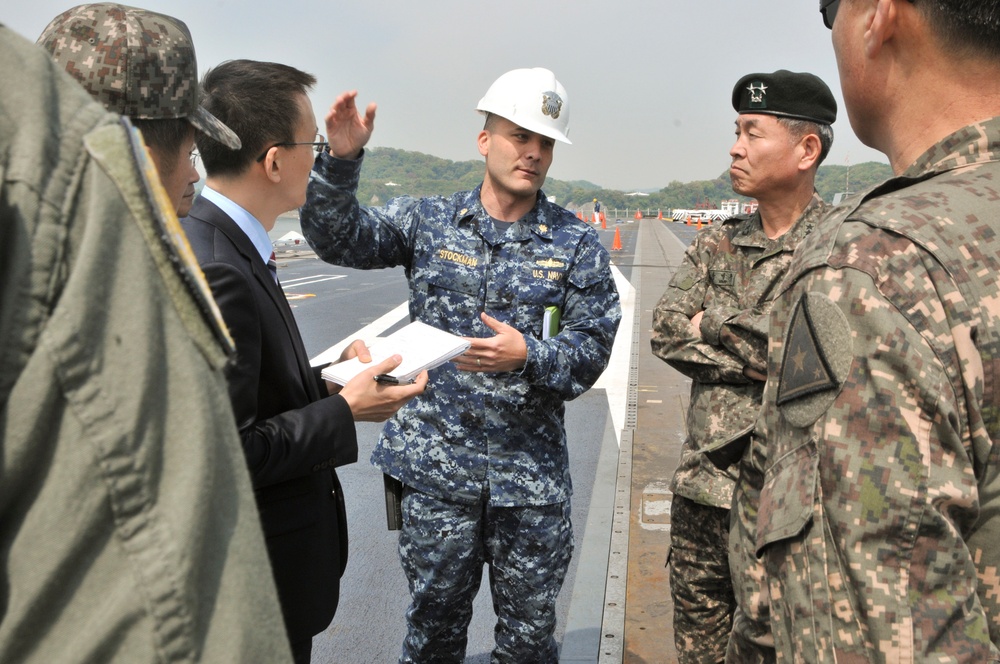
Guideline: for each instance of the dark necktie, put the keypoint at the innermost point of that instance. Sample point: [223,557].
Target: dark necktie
[273,267]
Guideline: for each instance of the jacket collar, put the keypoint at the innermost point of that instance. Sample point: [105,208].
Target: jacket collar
[538,220]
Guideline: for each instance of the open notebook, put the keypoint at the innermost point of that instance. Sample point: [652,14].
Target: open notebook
[420,345]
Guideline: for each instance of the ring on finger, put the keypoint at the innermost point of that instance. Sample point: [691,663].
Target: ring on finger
[479,362]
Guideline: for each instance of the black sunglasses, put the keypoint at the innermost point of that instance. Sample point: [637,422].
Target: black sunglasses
[829,11]
[318,145]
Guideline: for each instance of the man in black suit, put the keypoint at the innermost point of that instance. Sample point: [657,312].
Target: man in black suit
[294,432]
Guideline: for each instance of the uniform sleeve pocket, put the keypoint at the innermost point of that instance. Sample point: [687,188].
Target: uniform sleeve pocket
[788,496]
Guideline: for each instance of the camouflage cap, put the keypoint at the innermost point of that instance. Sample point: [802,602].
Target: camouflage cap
[136,62]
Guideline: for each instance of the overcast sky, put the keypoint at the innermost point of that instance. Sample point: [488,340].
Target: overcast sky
[649,81]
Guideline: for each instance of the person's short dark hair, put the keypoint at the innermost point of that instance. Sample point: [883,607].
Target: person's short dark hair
[800,128]
[966,27]
[258,101]
[491,122]
[165,136]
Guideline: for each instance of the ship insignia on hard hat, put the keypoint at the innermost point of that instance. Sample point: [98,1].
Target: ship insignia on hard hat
[757,92]
[551,104]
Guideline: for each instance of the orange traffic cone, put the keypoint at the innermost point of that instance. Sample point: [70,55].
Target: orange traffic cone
[604,222]
[579,214]
[659,214]
[616,244]
[699,223]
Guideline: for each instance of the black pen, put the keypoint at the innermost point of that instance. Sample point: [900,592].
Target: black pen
[386,379]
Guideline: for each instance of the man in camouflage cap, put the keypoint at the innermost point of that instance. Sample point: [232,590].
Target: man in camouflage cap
[879,520]
[711,325]
[482,454]
[142,65]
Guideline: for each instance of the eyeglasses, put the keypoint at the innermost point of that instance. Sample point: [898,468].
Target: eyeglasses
[829,12]
[194,157]
[319,145]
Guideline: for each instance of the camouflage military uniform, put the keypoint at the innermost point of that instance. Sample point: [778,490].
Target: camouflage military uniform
[128,530]
[483,440]
[730,272]
[878,516]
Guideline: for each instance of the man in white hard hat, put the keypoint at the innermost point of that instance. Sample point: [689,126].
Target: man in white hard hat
[482,454]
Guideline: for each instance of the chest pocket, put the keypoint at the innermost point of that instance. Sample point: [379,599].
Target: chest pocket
[533,290]
[725,270]
[725,281]
[452,299]
[723,278]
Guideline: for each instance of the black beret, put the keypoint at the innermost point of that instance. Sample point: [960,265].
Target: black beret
[786,93]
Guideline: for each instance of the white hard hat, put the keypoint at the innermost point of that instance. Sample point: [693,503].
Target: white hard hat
[530,98]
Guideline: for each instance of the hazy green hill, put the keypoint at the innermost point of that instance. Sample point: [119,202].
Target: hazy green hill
[388,172]
[833,179]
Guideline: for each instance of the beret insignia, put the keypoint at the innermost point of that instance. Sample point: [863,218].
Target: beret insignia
[757,92]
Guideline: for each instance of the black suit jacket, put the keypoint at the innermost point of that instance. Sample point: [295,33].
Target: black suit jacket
[293,436]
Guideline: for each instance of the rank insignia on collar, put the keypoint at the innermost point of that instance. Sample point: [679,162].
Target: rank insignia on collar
[543,228]
[550,263]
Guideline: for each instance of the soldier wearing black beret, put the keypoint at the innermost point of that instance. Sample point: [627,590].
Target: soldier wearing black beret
[711,325]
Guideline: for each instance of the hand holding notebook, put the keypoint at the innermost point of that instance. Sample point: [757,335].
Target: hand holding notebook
[420,345]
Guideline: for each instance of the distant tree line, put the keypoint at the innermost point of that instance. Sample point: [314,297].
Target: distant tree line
[388,173]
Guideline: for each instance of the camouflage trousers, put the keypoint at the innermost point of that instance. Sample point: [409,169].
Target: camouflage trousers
[751,641]
[443,547]
[699,581]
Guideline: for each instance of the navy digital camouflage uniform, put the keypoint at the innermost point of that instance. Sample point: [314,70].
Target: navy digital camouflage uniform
[477,444]
[731,272]
[878,518]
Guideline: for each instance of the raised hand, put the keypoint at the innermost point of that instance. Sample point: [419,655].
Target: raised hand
[347,131]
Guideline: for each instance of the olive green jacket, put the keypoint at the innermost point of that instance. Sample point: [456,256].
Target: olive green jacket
[128,530]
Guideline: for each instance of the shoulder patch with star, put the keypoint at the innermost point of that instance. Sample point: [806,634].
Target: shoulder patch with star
[817,357]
